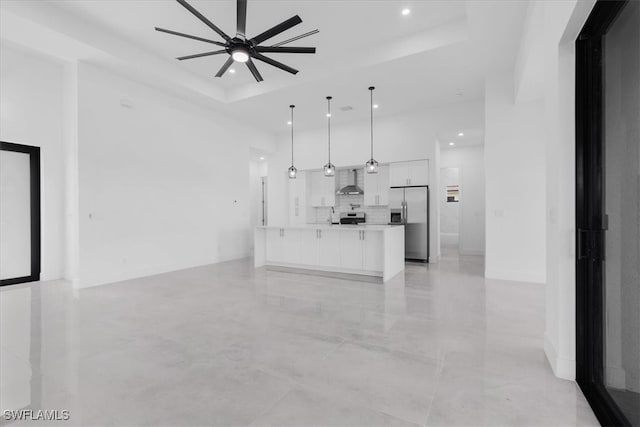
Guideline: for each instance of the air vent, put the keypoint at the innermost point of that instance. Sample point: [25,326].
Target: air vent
[346,108]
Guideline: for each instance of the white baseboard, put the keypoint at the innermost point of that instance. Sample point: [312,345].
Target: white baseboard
[471,251]
[562,367]
[517,276]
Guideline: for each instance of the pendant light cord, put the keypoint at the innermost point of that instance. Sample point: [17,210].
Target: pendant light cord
[329,124]
[292,107]
[371,92]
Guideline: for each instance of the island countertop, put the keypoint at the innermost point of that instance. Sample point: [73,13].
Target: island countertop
[325,226]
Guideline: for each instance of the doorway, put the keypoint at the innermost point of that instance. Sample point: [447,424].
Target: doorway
[608,211]
[450,212]
[19,213]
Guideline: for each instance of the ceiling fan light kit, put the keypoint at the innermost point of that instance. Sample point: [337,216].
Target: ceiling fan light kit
[243,50]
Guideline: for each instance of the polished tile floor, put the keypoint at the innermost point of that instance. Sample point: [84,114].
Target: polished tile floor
[229,345]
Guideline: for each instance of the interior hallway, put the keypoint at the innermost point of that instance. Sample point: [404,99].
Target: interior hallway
[229,345]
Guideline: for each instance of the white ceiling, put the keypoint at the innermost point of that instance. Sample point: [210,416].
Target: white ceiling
[469,137]
[340,24]
[437,55]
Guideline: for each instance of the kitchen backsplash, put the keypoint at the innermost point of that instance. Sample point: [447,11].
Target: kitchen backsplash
[374,214]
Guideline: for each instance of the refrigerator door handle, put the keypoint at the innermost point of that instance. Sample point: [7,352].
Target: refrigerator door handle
[405,212]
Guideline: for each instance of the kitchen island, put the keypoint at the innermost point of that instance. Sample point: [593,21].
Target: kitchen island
[372,250]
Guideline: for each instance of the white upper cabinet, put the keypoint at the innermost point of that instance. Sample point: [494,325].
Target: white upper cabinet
[323,190]
[419,172]
[415,172]
[398,174]
[376,187]
[298,199]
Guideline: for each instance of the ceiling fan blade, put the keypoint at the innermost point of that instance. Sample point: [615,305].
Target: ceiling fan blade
[203,19]
[241,18]
[274,31]
[278,49]
[200,55]
[292,39]
[224,67]
[275,63]
[175,33]
[254,70]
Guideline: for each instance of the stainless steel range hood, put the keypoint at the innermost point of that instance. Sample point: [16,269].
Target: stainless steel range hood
[352,189]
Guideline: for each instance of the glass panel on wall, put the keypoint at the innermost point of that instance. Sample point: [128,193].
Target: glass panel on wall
[621,268]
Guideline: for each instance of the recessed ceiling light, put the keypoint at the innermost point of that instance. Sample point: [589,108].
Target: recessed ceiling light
[328,114]
[406,11]
[289,122]
[460,133]
[452,143]
[375,105]
[261,158]
[231,70]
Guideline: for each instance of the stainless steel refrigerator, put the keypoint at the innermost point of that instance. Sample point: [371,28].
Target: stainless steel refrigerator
[410,207]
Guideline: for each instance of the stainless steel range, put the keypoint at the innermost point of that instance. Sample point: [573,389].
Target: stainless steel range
[352,218]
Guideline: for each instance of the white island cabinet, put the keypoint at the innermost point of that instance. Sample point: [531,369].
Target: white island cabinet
[372,250]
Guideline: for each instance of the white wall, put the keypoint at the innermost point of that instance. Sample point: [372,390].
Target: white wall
[31,99]
[515,184]
[412,135]
[163,185]
[470,163]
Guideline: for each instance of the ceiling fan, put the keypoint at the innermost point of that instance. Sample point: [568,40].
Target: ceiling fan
[241,49]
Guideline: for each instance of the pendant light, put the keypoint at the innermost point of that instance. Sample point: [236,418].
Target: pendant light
[329,169]
[293,172]
[372,164]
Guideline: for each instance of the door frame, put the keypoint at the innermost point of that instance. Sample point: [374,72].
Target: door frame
[34,203]
[589,213]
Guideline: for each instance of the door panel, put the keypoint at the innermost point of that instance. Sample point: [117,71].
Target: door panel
[309,247]
[416,234]
[419,172]
[351,249]
[383,185]
[19,213]
[621,205]
[291,246]
[396,198]
[373,251]
[398,174]
[329,240]
[274,245]
[15,214]
[608,211]
[416,199]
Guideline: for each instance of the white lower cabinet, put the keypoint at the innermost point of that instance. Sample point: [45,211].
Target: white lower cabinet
[274,245]
[371,250]
[351,249]
[309,247]
[373,253]
[291,246]
[348,249]
[328,241]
